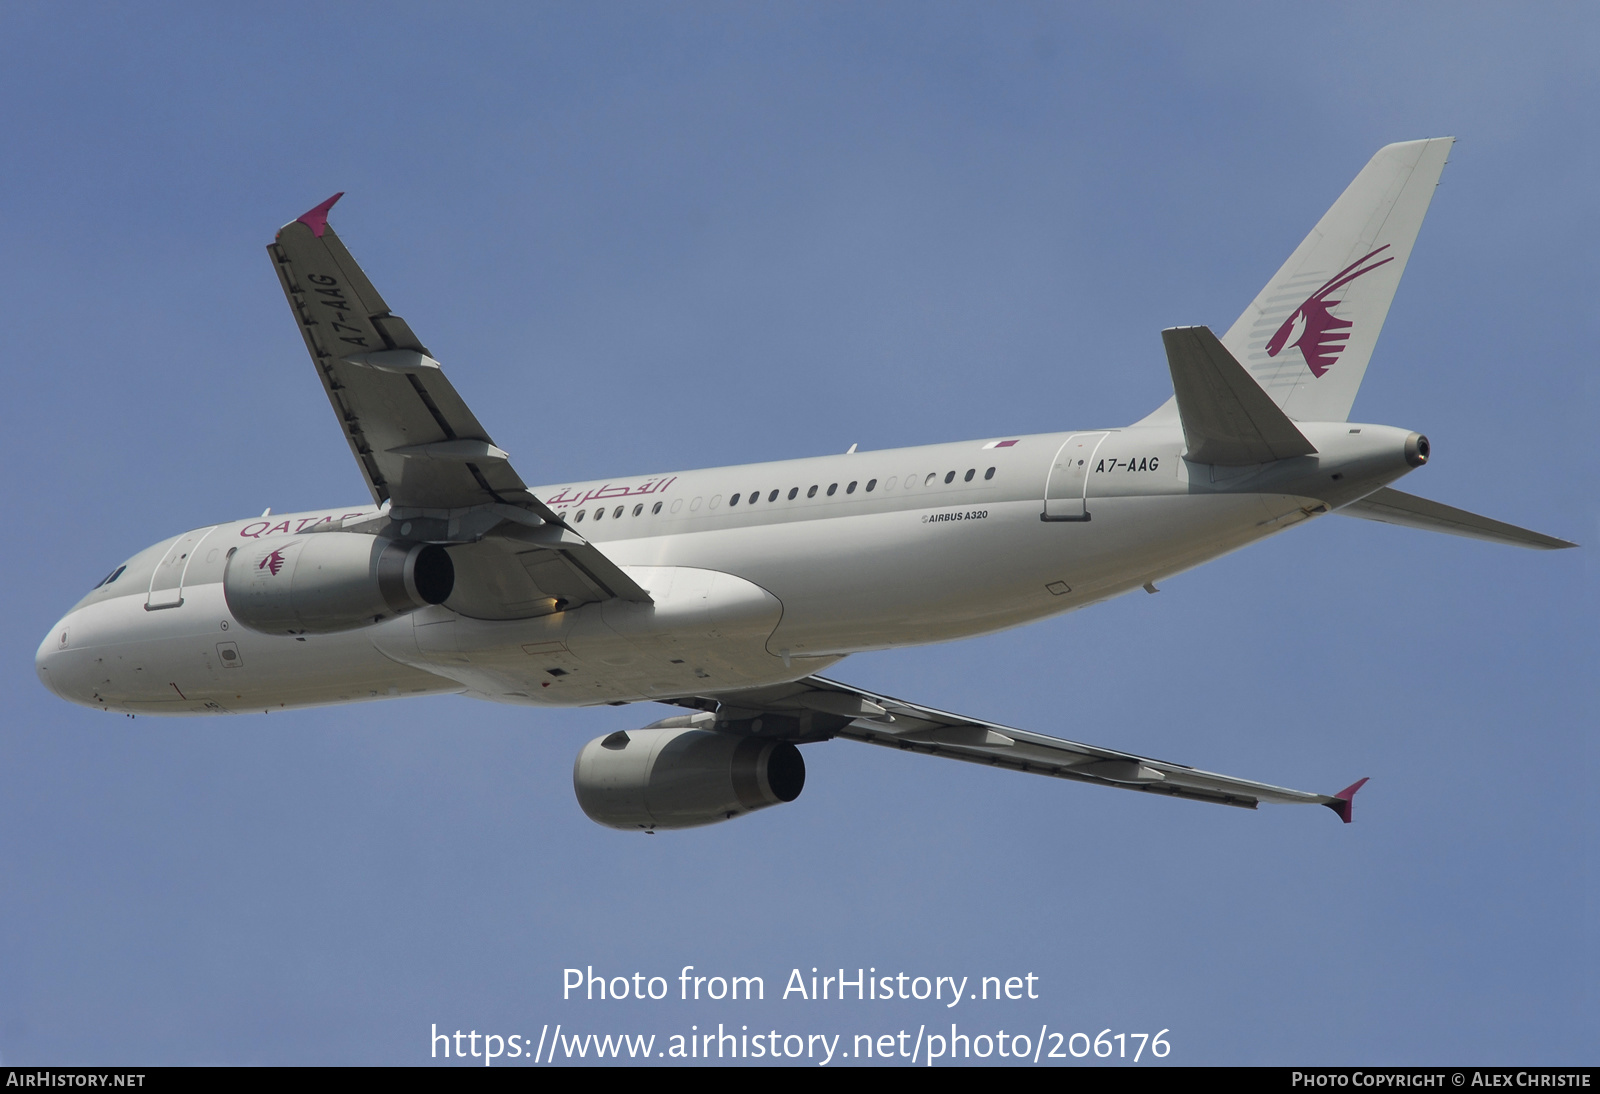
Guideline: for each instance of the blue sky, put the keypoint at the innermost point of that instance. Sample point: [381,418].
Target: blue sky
[648,237]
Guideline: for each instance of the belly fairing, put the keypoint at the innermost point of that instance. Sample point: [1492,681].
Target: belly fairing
[706,631]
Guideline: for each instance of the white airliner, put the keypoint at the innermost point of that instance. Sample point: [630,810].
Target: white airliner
[726,591]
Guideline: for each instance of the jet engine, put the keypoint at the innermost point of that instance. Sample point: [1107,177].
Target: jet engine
[332,581]
[683,777]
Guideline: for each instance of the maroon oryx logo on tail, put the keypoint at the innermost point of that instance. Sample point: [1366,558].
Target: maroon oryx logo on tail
[1322,334]
[273,562]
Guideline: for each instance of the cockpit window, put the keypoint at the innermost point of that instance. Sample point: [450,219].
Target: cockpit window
[112,576]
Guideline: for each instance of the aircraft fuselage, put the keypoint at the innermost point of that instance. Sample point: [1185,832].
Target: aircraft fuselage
[759,574]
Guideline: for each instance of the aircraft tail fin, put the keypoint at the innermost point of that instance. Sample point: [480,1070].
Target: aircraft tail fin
[1308,335]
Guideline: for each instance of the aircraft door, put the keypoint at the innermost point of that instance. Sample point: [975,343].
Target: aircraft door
[1066,491]
[166,584]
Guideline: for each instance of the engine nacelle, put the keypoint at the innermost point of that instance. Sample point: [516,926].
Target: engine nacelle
[332,581]
[683,777]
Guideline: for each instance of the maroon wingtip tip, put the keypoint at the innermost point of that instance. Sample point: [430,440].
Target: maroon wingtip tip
[1345,798]
[317,219]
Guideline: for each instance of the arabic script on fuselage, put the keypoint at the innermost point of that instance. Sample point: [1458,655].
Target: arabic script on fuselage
[570,496]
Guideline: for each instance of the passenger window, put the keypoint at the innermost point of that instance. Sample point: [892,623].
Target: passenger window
[618,514]
[733,501]
[888,483]
[851,489]
[870,484]
[833,488]
[716,500]
[695,504]
[579,518]
[929,480]
[772,496]
[656,508]
[950,478]
[989,474]
[812,492]
[677,503]
[637,509]
[599,514]
[793,490]
[971,471]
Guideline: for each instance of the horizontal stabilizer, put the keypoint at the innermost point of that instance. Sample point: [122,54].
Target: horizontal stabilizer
[1227,418]
[1393,507]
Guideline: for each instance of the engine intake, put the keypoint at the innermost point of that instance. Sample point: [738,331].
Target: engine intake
[683,777]
[333,581]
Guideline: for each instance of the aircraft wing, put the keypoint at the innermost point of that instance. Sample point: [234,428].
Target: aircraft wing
[816,709]
[418,444]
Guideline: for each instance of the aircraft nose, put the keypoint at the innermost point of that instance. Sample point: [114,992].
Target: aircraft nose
[49,653]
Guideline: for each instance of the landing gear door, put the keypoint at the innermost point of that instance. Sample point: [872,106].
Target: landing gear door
[166,584]
[1066,490]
